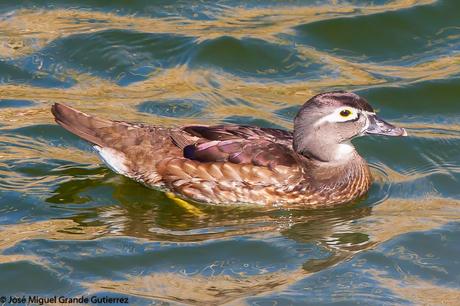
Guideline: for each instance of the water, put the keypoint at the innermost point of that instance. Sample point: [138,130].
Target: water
[71,227]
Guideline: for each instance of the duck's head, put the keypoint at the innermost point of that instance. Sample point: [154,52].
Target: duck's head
[327,122]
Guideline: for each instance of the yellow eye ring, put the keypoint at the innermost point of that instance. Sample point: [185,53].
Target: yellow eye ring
[345,113]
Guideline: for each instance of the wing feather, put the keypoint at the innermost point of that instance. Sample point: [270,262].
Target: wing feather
[236,144]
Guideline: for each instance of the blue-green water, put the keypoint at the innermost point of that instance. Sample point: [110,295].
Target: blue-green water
[71,227]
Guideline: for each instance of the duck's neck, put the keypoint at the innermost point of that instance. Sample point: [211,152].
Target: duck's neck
[339,180]
[331,163]
[351,166]
[326,152]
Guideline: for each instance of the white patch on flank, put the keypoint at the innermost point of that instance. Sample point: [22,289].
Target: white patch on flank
[114,159]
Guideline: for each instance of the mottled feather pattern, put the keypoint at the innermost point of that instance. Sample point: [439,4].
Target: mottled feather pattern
[224,164]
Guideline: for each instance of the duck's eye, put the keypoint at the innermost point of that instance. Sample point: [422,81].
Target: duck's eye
[345,113]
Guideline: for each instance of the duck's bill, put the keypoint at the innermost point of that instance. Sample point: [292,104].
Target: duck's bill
[378,126]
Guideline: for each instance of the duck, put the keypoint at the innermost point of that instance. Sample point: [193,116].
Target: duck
[314,165]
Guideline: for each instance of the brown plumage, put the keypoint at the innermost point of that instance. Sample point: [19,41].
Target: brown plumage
[230,164]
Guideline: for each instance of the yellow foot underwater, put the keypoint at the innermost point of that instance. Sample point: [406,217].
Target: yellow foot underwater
[190,208]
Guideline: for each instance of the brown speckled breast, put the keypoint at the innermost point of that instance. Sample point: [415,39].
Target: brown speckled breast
[227,183]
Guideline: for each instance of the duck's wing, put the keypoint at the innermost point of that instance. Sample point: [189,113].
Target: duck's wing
[234,164]
[236,144]
[223,143]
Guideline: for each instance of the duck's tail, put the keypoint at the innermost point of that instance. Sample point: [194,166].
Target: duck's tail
[80,124]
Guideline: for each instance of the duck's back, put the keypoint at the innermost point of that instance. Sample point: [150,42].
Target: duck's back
[220,164]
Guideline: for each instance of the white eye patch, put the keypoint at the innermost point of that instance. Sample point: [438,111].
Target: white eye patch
[342,114]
